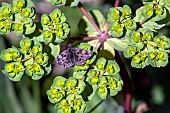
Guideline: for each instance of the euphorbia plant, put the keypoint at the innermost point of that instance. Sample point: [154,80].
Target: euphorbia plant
[135,36]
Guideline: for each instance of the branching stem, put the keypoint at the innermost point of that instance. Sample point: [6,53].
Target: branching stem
[117,2]
[83,10]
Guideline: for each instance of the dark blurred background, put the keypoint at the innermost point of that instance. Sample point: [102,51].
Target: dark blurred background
[151,86]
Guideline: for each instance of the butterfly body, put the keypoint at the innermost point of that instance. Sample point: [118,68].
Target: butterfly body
[73,56]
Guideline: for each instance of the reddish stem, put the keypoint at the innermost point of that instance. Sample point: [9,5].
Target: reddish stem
[127,87]
[83,10]
[116,3]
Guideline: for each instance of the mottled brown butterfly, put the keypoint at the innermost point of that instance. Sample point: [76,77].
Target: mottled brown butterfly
[73,56]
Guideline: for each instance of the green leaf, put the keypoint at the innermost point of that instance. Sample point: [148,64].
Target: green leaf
[139,16]
[72,3]
[55,49]
[118,44]
[86,28]
[79,75]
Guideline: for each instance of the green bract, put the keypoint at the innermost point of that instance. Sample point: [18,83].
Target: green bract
[17,17]
[55,28]
[6,18]
[121,21]
[34,70]
[145,48]
[14,71]
[10,54]
[154,9]
[28,57]
[101,74]
[66,93]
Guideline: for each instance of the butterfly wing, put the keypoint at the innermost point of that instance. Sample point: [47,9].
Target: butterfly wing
[64,59]
[73,56]
[81,55]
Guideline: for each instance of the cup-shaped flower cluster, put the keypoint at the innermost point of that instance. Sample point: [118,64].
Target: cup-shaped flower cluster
[55,28]
[146,49]
[66,95]
[58,2]
[104,78]
[153,9]
[29,58]
[17,17]
[80,70]
[121,21]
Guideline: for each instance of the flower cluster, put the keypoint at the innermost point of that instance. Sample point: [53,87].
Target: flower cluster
[65,93]
[29,58]
[17,17]
[55,28]
[145,48]
[121,20]
[105,77]
[154,9]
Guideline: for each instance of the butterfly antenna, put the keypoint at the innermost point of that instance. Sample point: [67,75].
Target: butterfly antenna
[69,46]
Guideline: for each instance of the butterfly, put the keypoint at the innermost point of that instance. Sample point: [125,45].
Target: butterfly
[73,56]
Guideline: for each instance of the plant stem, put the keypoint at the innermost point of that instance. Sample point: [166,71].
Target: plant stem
[83,10]
[127,87]
[116,3]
